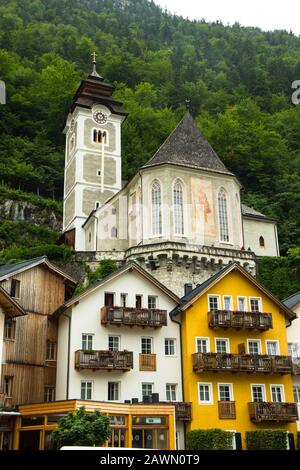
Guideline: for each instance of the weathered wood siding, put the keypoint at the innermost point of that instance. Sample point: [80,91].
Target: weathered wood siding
[40,290]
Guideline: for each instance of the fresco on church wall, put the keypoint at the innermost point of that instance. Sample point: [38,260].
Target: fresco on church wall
[203,213]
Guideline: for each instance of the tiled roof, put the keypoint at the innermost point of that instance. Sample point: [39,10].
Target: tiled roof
[292,300]
[246,210]
[186,146]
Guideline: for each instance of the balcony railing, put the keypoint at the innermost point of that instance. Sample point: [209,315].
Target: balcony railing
[227,410]
[134,316]
[242,363]
[107,360]
[240,320]
[268,411]
[296,365]
[183,411]
[148,362]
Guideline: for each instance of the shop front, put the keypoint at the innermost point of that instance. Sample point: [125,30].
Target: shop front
[138,425]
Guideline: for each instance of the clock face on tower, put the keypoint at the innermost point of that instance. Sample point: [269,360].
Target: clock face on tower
[100,117]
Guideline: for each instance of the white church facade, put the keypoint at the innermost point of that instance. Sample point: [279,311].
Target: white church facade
[182,209]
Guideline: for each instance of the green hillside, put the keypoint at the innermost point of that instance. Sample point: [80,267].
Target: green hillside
[238,80]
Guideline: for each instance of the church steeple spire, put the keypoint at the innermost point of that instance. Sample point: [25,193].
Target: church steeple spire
[94,62]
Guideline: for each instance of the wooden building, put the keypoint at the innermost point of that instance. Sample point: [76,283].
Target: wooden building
[30,341]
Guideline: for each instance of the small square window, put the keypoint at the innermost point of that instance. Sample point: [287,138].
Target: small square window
[152,301]
[113,391]
[170,346]
[147,389]
[171,394]
[254,346]
[205,393]
[214,303]
[114,343]
[222,345]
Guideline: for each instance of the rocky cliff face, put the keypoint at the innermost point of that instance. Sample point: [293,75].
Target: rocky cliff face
[29,212]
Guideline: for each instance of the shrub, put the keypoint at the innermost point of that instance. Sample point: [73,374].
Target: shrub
[209,439]
[81,428]
[266,439]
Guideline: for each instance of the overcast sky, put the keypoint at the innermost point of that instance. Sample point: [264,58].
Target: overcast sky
[266,14]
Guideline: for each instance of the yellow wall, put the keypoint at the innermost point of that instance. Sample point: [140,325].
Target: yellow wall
[195,323]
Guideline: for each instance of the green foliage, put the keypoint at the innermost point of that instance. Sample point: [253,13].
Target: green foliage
[17,195]
[281,275]
[105,268]
[209,439]
[266,439]
[53,252]
[81,428]
[238,80]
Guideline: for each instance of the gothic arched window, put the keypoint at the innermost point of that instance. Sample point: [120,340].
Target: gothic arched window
[156,208]
[178,208]
[261,241]
[223,216]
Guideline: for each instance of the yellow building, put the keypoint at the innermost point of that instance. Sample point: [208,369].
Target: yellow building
[236,369]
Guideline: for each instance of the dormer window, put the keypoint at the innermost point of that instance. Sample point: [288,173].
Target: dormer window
[99,137]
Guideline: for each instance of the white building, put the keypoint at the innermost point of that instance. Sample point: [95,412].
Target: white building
[181,210]
[293,334]
[116,342]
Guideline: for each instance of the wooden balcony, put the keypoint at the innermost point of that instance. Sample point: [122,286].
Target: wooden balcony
[265,364]
[131,316]
[240,320]
[227,410]
[269,411]
[183,411]
[104,360]
[296,365]
[5,401]
[148,362]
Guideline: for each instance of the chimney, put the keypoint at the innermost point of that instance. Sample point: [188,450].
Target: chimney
[188,288]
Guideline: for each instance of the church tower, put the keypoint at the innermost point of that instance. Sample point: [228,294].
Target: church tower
[92,155]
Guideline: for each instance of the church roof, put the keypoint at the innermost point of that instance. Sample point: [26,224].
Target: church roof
[250,212]
[186,146]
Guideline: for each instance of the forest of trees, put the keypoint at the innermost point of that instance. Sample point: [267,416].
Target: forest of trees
[238,80]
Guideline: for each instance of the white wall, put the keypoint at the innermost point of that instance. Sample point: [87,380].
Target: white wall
[86,319]
[253,229]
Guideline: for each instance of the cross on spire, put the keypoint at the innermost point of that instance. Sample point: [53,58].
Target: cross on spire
[94,62]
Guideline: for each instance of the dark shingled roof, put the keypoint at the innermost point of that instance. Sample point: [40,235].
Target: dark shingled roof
[292,300]
[250,212]
[186,146]
[7,269]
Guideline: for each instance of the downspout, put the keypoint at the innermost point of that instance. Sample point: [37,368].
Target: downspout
[182,378]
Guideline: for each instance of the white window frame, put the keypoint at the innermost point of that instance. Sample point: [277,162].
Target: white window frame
[119,342]
[152,297]
[228,219]
[87,334]
[230,390]
[272,341]
[298,349]
[98,143]
[231,301]
[246,303]
[210,387]
[281,386]
[152,345]
[297,393]
[263,390]
[119,390]
[123,296]
[175,214]
[256,341]
[92,389]
[219,301]
[161,225]
[259,301]
[202,338]
[175,347]
[227,344]
[171,385]
[152,387]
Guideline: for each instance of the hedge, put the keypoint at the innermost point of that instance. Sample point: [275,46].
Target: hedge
[266,439]
[209,439]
